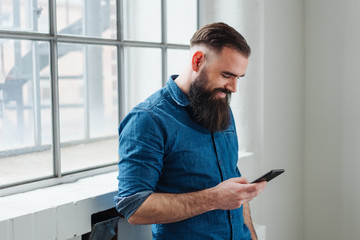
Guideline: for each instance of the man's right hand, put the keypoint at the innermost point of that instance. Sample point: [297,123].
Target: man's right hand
[234,192]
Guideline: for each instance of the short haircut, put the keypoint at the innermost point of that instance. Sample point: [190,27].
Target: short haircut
[218,35]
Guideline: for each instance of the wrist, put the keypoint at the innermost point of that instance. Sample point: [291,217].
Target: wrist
[212,198]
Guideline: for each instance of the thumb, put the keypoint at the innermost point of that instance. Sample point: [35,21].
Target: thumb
[240,180]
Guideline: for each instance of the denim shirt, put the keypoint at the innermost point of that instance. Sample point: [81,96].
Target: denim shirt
[163,150]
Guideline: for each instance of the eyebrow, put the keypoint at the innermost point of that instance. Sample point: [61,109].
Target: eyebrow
[232,74]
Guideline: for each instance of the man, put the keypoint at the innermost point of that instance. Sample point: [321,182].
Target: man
[179,150]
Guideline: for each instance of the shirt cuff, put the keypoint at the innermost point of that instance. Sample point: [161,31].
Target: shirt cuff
[126,206]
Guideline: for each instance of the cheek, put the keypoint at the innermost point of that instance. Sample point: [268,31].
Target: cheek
[213,82]
[217,83]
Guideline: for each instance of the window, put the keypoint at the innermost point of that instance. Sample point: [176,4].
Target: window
[70,71]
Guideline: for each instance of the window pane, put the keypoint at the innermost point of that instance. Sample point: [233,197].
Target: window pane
[181,20]
[88,105]
[87,18]
[142,20]
[24,15]
[25,110]
[142,74]
[177,60]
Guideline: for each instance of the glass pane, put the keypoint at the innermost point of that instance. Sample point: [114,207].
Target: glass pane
[181,20]
[142,74]
[88,105]
[24,15]
[142,20]
[87,18]
[25,111]
[177,60]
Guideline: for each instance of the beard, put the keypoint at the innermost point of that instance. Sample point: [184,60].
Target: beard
[205,109]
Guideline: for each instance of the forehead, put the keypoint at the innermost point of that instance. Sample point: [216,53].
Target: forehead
[229,60]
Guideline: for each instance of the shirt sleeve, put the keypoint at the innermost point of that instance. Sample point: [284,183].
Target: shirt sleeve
[126,206]
[141,150]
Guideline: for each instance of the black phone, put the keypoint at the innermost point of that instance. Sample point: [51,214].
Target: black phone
[268,176]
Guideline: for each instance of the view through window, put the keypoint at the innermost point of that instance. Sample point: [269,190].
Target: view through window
[69,72]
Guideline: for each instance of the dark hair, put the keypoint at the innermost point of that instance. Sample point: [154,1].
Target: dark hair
[219,35]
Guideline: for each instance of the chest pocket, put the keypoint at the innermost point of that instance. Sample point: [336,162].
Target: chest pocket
[227,151]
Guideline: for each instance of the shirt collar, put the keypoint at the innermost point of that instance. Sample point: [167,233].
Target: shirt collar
[175,92]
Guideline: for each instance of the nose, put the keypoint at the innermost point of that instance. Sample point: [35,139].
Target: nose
[232,84]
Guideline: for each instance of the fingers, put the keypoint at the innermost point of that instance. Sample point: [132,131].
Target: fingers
[243,186]
[249,191]
[243,180]
[260,185]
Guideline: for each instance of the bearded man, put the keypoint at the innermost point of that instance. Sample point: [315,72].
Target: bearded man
[179,151]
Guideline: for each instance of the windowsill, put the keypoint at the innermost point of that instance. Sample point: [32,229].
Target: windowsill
[62,211]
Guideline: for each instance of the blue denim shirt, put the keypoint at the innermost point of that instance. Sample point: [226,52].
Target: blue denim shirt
[163,150]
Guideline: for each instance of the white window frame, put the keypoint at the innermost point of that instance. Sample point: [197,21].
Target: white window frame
[53,38]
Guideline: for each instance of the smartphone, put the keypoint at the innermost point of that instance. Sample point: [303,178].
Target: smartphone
[268,176]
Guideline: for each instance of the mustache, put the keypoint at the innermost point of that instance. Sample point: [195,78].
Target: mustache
[223,90]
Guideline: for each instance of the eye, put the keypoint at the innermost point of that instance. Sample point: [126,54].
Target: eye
[225,75]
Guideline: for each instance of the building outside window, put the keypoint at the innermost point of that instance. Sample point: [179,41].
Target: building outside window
[71,69]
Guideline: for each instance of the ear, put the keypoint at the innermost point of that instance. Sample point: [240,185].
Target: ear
[197,59]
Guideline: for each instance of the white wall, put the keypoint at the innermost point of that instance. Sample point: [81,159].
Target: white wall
[350,124]
[332,138]
[324,71]
[283,117]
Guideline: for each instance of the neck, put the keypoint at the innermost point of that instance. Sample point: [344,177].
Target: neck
[184,81]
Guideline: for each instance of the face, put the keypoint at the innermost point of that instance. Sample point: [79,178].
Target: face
[210,92]
[224,70]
